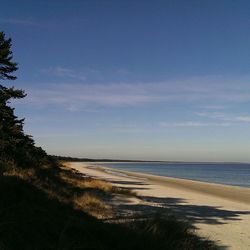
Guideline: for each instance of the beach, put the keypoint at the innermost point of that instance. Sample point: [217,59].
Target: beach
[218,212]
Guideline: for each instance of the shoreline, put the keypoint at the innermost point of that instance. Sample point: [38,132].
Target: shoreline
[112,166]
[218,212]
[233,193]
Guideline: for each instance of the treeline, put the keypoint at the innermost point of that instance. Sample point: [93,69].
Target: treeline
[68,158]
[76,159]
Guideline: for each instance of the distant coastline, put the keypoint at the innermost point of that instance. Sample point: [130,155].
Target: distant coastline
[76,159]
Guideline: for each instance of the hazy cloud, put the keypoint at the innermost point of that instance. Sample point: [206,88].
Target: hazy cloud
[195,124]
[16,21]
[225,117]
[65,73]
[206,92]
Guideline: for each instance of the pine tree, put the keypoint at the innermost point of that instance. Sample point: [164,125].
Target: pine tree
[6,64]
[16,148]
[10,126]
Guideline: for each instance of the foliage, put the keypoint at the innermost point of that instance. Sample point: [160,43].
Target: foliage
[6,64]
[16,148]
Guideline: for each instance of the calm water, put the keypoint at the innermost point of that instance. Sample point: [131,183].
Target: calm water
[224,173]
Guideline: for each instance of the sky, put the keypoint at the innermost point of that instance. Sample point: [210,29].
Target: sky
[134,79]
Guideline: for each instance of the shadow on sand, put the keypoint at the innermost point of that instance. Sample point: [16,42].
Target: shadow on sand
[178,207]
[193,213]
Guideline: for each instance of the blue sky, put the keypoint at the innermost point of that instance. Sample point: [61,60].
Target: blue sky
[156,80]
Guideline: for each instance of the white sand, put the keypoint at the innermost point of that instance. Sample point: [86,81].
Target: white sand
[219,212]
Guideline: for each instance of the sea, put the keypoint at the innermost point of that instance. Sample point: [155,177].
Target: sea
[235,174]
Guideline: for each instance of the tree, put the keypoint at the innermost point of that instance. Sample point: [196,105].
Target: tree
[10,126]
[6,64]
[16,148]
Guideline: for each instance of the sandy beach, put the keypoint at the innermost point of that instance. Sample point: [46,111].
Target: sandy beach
[218,212]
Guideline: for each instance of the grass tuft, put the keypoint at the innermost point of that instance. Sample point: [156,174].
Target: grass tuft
[93,205]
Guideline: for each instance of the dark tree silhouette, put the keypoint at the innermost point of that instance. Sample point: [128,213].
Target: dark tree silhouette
[6,64]
[16,148]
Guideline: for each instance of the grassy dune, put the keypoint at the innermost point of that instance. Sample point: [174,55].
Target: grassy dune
[55,208]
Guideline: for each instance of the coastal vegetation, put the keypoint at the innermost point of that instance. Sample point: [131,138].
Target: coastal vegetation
[45,205]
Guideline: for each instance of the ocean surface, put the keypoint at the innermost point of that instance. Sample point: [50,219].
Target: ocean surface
[235,174]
